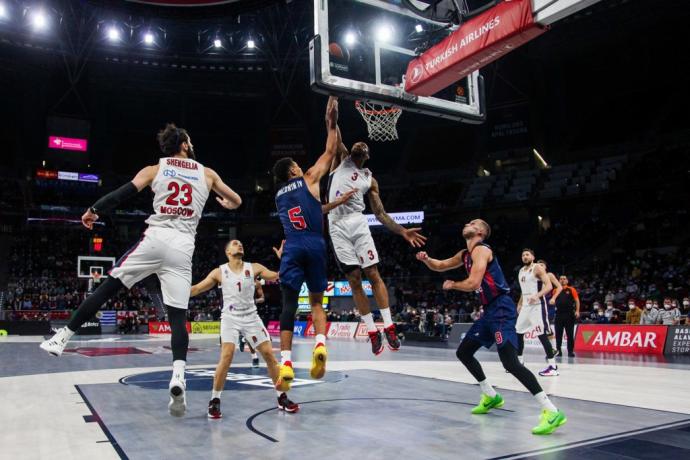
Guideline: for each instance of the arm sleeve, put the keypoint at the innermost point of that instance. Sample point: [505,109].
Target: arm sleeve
[111,200]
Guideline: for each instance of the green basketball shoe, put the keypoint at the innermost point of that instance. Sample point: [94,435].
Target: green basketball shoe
[549,421]
[487,403]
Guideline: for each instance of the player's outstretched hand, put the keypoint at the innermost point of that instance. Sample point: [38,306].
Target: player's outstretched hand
[412,236]
[448,285]
[332,111]
[279,251]
[344,198]
[88,219]
[422,256]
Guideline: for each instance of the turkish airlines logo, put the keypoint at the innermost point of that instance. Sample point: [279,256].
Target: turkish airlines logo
[417,72]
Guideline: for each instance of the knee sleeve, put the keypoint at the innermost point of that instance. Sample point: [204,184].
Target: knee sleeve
[287,316]
[509,359]
[179,338]
[465,354]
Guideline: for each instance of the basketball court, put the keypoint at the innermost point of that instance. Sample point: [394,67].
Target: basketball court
[110,394]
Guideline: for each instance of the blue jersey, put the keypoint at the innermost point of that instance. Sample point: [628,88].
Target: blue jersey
[299,211]
[494,283]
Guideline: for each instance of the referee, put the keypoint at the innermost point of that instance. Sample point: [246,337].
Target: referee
[567,312]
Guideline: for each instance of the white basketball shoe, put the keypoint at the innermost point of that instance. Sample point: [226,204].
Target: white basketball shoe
[56,344]
[178,396]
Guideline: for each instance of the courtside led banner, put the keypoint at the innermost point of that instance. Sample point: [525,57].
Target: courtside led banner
[67,143]
[479,41]
[338,289]
[615,338]
[402,218]
[163,327]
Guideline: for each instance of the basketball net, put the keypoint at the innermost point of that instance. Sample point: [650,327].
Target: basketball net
[381,120]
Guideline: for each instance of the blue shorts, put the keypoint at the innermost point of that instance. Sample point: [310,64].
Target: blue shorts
[497,325]
[304,259]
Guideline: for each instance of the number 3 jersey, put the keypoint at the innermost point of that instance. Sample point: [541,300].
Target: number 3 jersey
[180,192]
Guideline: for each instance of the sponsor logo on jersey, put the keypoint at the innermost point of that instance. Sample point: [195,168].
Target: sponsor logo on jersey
[169,173]
[184,176]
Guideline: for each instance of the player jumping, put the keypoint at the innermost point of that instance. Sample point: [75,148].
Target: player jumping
[181,186]
[304,251]
[240,317]
[496,326]
[352,242]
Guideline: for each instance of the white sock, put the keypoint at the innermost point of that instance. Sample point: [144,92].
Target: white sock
[215,394]
[545,402]
[320,338]
[487,389]
[386,314]
[285,355]
[255,356]
[552,362]
[178,369]
[369,321]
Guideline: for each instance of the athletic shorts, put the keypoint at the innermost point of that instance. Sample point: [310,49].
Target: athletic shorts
[154,255]
[250,326]
[533,317]
[497,325]
[352,241]
[304,259]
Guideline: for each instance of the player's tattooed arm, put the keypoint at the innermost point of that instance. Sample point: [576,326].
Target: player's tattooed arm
[328,207]
[440,265]
[323,164]
[481,255]
[228,198]
[265,273]
[411,235]
[213,279]
[342,150]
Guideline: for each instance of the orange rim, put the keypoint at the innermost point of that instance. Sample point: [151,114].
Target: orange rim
[363,109]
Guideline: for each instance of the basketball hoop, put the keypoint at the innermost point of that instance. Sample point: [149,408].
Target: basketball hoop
[381,120]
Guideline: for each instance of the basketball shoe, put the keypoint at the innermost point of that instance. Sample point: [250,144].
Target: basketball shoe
[549,421]
[487,403]
[214,409]
[57,343]
[285,377]
[318,361]
[255,362]
[376,342]
[392,338]
[178,396]
[550,371]
[285,404]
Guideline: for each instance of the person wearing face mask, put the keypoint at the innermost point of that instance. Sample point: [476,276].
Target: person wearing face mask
[650,315]
[609,310]
[686,305]
[634,314]
[669,316]
[601,317]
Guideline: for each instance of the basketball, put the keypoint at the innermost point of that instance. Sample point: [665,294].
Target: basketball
[339,52]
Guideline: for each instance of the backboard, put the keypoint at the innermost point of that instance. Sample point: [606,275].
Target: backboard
[361,50]
[87,265]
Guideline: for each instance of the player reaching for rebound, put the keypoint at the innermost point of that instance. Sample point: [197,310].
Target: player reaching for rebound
[533,313]
[239,317]
[496,326]
[181,186]
[304,251]
[352,242]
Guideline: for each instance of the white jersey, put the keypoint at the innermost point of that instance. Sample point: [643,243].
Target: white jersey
[180,192]
[238,290]
[348,176]
[529,283]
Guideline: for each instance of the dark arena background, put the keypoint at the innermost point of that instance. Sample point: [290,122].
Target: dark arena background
[569,135]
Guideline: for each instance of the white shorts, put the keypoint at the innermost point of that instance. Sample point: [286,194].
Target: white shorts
[352,241]
[533,317]
[153,254]
[250,326]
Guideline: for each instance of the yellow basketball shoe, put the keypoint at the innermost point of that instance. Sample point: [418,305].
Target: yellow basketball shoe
[285,377]
[318,361]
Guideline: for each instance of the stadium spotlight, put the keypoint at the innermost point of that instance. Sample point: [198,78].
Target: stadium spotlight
[148,38]
[39,20]
[113,34]
[419,28]
[350,38]
[250,44]
[541,162]
[3,11]
[384,33]
[217,43]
